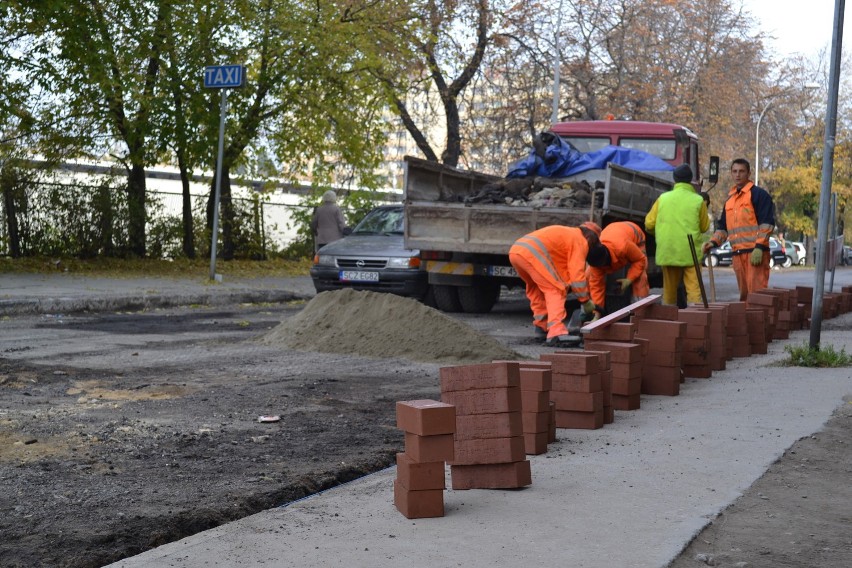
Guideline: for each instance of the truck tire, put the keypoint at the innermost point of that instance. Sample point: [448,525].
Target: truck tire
[479,298]
[446,298]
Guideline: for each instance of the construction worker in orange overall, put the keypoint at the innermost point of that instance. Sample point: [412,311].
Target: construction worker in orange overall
[747,221]
[621,244]
[551,261]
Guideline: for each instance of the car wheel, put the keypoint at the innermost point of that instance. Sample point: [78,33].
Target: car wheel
[714,260]
[788,262]
[446,298]
[771,262]
[802,261]
[479,298]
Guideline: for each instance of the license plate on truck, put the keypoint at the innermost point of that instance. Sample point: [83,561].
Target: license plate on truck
[358,276]
[501,271]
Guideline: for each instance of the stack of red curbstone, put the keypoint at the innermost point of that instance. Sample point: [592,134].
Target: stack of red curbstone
[418,489]
[489,440]
[577,391]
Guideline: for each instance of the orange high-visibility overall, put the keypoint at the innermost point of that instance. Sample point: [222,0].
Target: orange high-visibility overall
[626,244]
[551,261]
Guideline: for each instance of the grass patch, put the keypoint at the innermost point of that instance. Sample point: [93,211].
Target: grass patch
[827,356]
[183,268]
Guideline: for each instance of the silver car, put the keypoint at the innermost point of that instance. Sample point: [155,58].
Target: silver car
[373,257]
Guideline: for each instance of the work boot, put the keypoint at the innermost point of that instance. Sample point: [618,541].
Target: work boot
[564,341]
[540,334]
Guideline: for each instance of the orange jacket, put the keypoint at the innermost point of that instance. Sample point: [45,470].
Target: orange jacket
[747,220]
[559,253]
[626,244]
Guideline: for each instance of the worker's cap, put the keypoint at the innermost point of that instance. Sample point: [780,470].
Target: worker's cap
[593,227]
[682,173]
[599,256]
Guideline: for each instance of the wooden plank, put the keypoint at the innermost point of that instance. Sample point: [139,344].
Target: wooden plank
[617,315]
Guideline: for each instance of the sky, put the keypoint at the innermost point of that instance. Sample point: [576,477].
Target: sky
[800,26]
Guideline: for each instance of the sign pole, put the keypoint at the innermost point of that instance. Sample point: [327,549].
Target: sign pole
[222,77]
[223,109]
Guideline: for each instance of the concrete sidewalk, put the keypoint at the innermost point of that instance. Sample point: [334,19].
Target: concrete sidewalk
[68,293]
[632,494]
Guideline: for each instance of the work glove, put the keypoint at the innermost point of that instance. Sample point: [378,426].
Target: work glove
[625,284]
[588,307]
[756,257]
[705,248]
[596,317]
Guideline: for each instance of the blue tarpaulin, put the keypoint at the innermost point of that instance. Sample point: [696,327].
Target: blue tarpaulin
[563,160]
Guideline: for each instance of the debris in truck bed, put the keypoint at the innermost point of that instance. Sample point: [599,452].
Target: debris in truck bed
[374,324]
[535,192]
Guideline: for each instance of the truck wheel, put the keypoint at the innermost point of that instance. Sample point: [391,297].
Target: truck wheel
[429,297]
[479,298]
[446,298]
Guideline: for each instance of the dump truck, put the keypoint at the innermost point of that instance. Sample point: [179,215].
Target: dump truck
[464,245]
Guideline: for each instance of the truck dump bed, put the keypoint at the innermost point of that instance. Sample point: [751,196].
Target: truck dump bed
[436,219]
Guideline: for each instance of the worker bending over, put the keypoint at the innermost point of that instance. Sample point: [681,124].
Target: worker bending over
[747,221]
[621,244]
[675,215]
[551,261]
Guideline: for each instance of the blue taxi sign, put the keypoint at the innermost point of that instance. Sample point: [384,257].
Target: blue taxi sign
[224,76]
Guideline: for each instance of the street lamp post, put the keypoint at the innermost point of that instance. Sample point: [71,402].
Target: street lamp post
[757,128]
[757,142]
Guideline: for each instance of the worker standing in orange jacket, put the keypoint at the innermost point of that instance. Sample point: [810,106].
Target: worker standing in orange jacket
[747,221]
[551,261]
[621,244]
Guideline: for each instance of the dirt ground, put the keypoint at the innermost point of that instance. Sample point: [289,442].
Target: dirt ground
[121,432]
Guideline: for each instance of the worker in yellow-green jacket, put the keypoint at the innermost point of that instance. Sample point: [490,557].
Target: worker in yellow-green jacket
[675,215]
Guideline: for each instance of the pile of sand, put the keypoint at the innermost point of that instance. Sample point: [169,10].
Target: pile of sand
[379,325]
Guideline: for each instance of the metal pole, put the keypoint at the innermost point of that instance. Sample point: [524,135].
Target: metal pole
[223,109]
[757,143]
[833,233]
[827,170]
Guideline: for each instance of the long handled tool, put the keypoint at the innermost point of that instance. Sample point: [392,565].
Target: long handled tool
[697,270]
[712,282]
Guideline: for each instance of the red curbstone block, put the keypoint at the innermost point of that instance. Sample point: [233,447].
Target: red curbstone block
[613,332]
[662,359]
[578,401]
[662,383]
[626,387]
[417,476]
[574,420]
[577,383]
[572,363]
[552,437]
[658,312]
[485,376]
[424,449]
[484,401]
[609,414]
[622,402]
[491,476]
[480,426]
[425,417]
[536,379]
[619,352]
[652,329]
[697,371]
[490,450]
[627,370]
[535,401]
[534,422]
[535,443]
[605,358]
[418,504]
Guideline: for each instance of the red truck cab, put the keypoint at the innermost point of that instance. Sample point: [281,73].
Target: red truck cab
[671,142]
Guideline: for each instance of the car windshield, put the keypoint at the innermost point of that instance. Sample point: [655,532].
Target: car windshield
[387,221]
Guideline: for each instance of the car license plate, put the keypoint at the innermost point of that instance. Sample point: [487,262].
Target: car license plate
[501,271]
[358,276]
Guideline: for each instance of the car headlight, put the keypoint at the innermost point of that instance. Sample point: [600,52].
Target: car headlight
[404,262]
[326,260]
